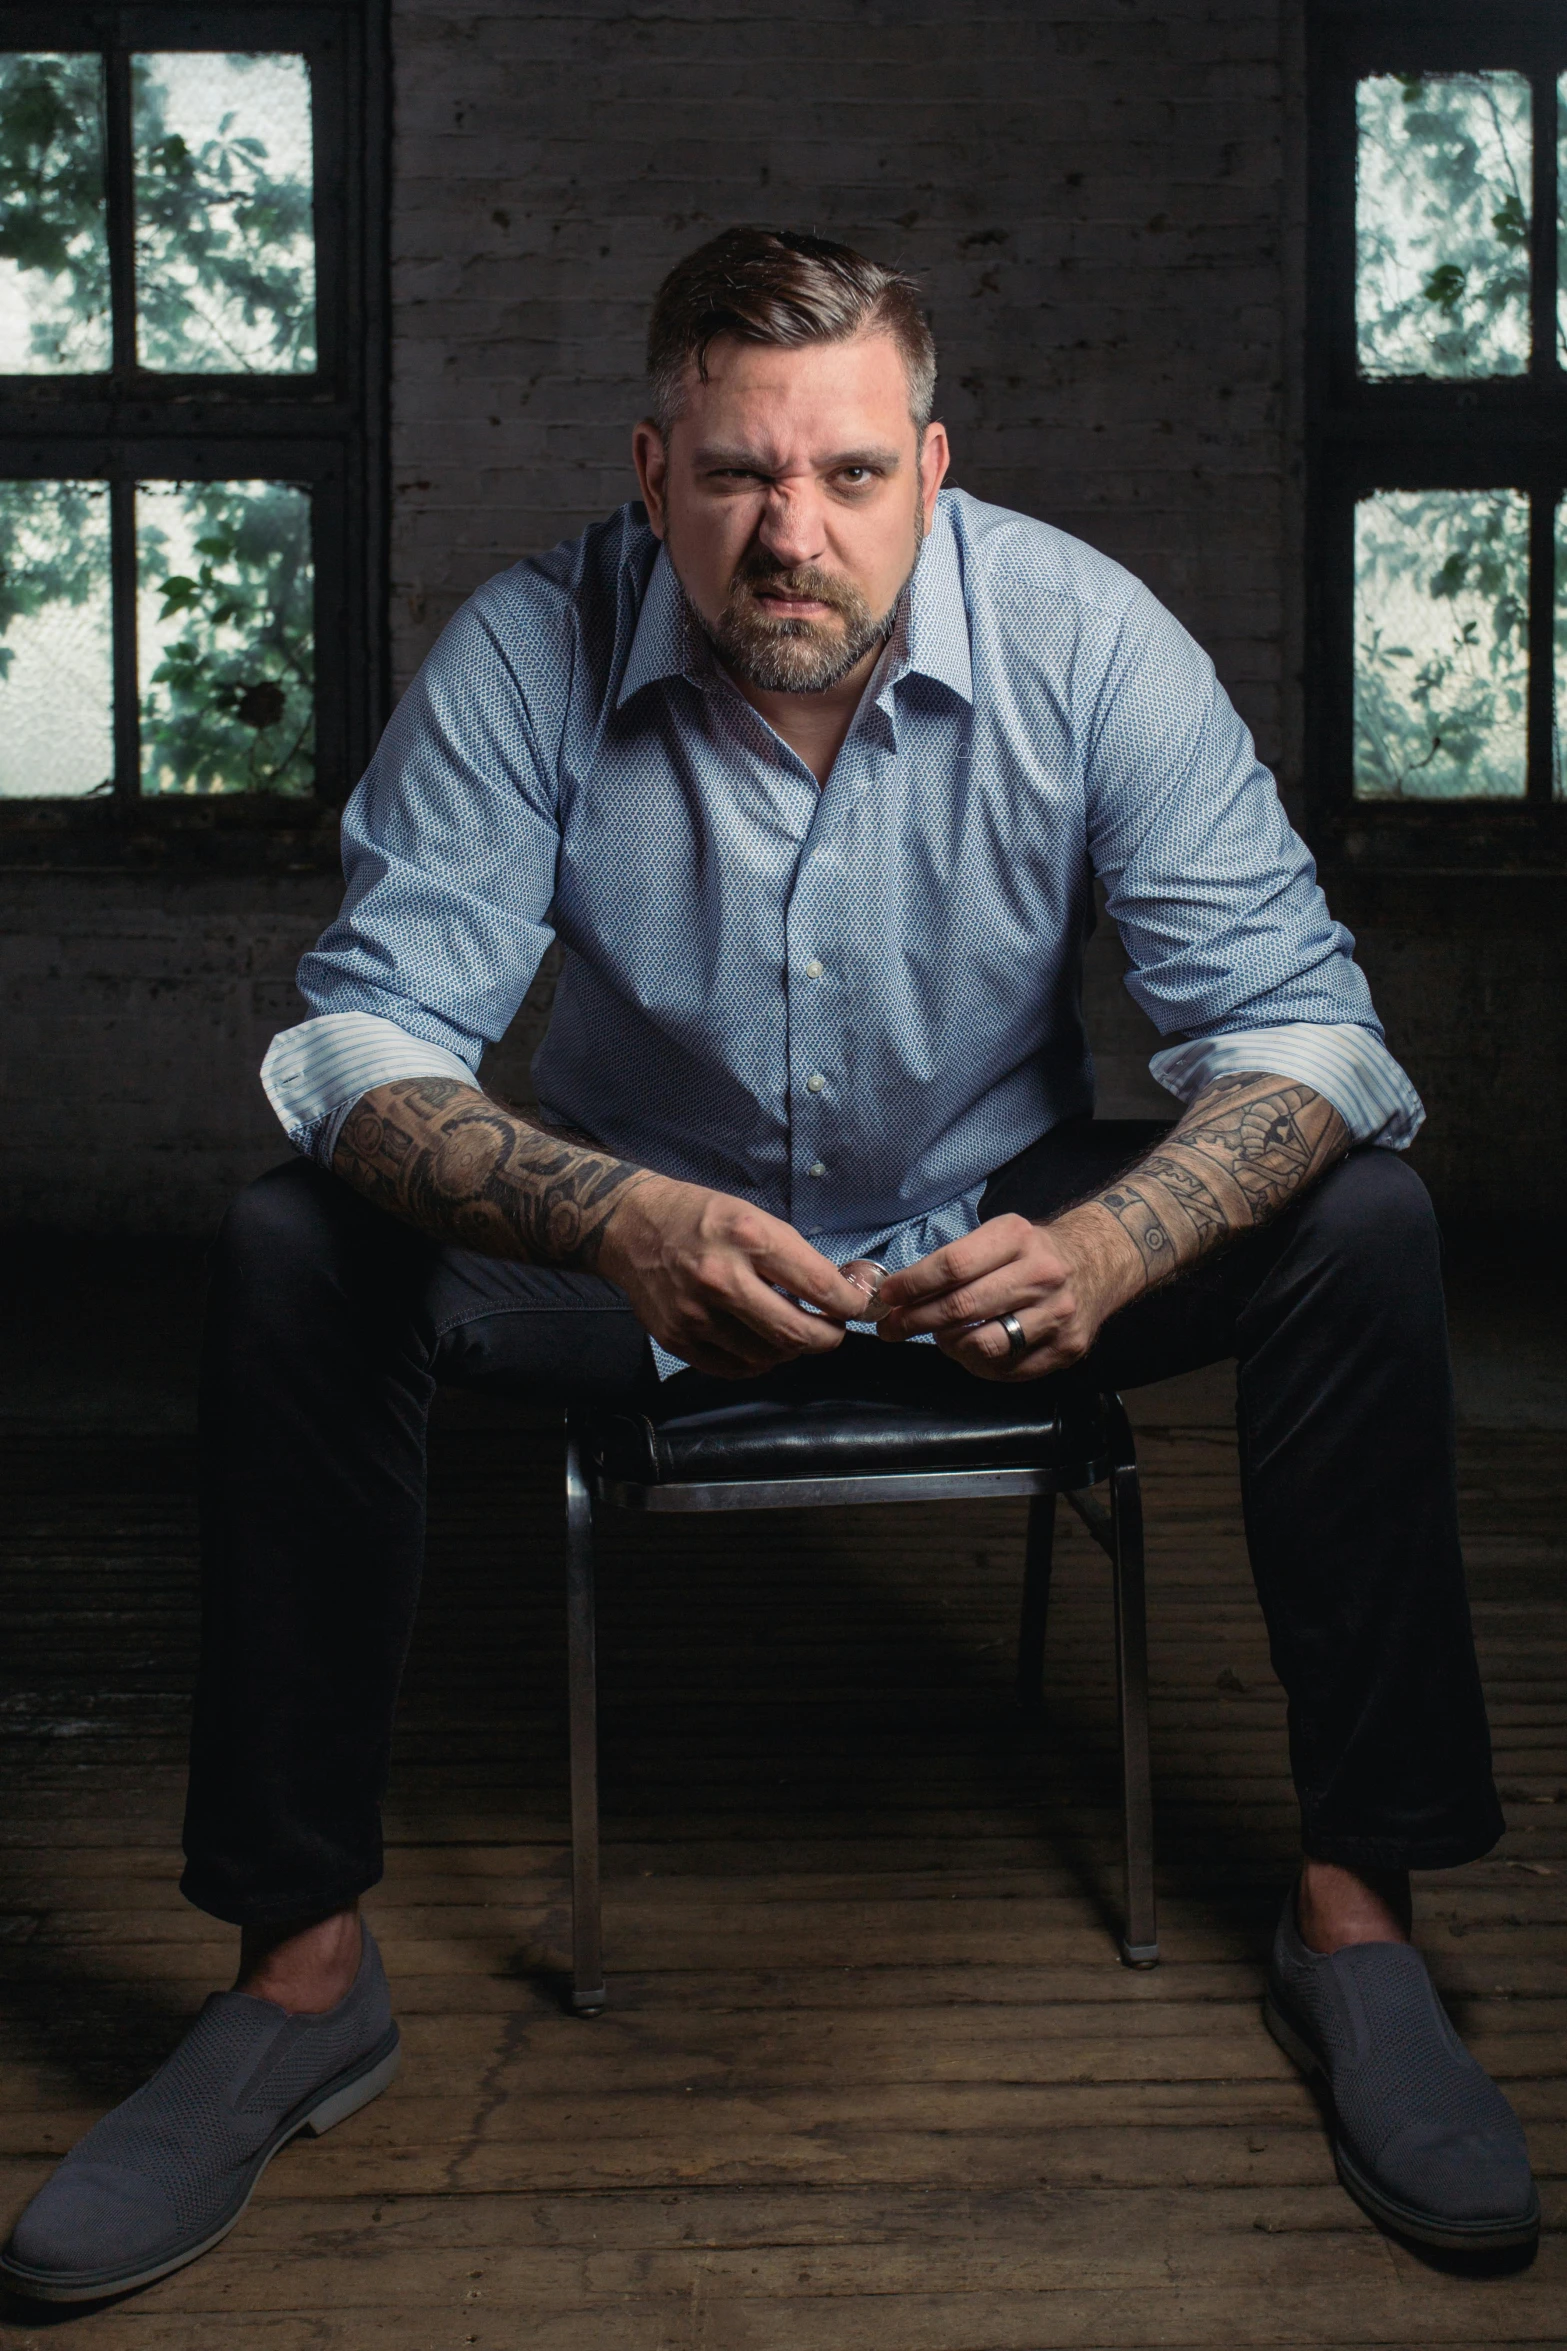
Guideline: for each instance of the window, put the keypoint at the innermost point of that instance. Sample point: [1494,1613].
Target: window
[1437,432]
[192,387]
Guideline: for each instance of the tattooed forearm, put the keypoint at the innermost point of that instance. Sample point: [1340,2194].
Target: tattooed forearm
[1138,1215]
[1204,1209]
[442,1156]
[1245,1148]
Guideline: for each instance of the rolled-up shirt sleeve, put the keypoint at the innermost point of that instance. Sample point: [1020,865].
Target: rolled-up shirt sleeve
[1347,1066]
[1232,949]
[315,1073]
[450,844]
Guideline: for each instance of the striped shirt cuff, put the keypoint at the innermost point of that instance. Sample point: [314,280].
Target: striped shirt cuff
[1347,1066]
[315,1073]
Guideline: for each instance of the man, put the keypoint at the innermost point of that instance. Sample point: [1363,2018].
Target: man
[809,769]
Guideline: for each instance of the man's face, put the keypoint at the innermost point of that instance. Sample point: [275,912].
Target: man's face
[792,494]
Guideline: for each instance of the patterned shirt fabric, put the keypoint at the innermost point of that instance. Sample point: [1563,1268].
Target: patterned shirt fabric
[850,1003]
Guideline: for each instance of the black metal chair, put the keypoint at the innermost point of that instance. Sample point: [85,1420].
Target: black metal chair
[868,1424]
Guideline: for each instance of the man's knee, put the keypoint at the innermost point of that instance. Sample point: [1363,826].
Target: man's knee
[1372,1214]
[298,1241]
[282,1217]
[300,1260]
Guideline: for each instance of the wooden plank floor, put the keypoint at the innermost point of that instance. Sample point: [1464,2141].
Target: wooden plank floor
[872,2079]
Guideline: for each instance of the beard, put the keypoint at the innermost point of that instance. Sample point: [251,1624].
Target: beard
[778,655]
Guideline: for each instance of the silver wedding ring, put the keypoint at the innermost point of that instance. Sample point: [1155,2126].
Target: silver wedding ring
[1017,1337]
[868,1275]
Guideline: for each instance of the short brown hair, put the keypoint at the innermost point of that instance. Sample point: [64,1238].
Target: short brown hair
[781,286]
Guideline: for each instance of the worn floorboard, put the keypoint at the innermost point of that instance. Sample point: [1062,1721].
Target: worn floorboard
[872,2079]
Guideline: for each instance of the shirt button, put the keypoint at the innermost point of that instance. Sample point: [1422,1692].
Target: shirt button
[813,970]
[815,1082]
[820,1169]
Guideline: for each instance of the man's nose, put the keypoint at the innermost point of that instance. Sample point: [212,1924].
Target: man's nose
[791,528]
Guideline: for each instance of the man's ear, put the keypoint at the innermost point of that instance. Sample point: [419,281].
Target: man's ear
[935,457]
[650,456]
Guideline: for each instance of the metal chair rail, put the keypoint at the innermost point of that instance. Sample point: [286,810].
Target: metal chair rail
[1118,1531]
[915,1485]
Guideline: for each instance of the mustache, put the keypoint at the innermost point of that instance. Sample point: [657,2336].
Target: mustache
[757,570]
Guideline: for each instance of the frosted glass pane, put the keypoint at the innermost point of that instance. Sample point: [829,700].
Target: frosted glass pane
[1442,224]
[225,247]
[225,637]
[54,246]
[1441,644]
[56,675]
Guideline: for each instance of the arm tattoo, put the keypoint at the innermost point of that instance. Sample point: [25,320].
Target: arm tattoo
[1204,1210]
[1247,1147]
[442,1156]
[1138,1214]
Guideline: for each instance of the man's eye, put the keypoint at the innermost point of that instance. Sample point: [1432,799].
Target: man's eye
[855,476]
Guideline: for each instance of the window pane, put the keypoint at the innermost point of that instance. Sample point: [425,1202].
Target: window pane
[56,655]
[1441,644]
[1442,224]
[54,247]
[225,638]
[225,247]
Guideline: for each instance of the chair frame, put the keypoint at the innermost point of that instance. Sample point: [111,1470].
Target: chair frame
[1118,1531]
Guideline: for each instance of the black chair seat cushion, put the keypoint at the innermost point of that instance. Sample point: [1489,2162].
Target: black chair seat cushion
[866,1410]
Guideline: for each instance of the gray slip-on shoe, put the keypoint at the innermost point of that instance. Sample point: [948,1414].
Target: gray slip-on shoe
[164,2176]
[1423,2138]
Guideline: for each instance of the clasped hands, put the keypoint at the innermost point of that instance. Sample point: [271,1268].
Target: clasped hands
[728,1288]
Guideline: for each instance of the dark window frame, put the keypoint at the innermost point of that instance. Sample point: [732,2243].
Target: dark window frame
[327,429]
[1503,432]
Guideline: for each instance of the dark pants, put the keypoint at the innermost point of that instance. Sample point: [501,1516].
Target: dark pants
[330,1328]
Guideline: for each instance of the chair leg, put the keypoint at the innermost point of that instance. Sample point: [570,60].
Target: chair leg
[1140,1940]
[1037,1559]
[587,1961]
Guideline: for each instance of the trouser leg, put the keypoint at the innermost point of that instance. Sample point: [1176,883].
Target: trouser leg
[328,1328]
[1345,1417]
[1335,1317]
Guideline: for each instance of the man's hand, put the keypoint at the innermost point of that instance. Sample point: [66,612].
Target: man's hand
[700,1267]
[1061,1280]
[1244,1149]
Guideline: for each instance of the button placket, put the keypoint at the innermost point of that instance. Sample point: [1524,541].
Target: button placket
[808,939]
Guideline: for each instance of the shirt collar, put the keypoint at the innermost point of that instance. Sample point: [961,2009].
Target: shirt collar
[931,639]
[662,645]
[934,623]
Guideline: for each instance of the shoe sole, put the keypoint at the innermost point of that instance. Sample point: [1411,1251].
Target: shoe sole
[326,2108]
[1447,2236]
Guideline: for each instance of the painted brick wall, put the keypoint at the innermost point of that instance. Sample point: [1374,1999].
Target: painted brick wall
[134,1012]
[1091,194]
[1097,195]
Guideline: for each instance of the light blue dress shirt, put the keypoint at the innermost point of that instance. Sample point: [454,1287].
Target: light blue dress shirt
[848,1004]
